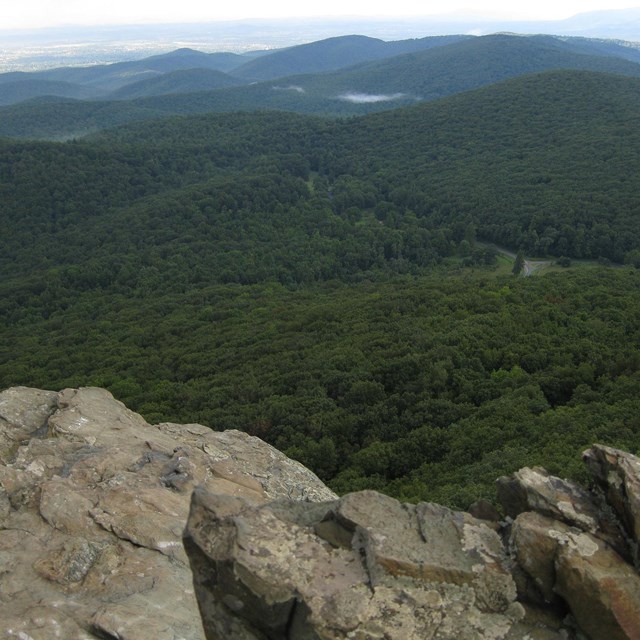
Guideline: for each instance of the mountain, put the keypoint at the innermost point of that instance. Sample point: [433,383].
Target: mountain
[372,86]
[101,80]
[593,46]
[465,65]
[113,76]
[437,67]
[550,147]
[546,162]
[24,87]
[615,23]
[183,81]
[331,54]
[330,284]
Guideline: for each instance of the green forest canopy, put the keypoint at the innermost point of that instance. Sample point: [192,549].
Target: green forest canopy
[322,284]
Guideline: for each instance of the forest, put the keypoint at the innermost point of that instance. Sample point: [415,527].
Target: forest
[334,285]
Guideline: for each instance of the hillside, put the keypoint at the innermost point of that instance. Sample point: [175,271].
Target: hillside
[24,87]
[182,81]
[395,81]
[331,54]
[321,283]
[106,78]
[477,62]
[546,162]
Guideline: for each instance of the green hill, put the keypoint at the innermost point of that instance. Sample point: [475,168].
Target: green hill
[331,54]
[547,162]
[374,86]
[182,81]
[443,71]
[101,80]
[322,282]
[25,88]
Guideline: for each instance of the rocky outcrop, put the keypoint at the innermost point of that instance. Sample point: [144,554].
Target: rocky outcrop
[93,544]
[570,547]
[93,502]
[618,475]
[365,566]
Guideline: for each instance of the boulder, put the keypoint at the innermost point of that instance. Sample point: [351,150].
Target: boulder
[93,502]
[618,475]
[600,588]
[535,489]
[364,566]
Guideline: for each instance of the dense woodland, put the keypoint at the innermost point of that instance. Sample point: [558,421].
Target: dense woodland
[331,286]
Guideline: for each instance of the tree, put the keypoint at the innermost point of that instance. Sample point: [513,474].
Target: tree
[518,265]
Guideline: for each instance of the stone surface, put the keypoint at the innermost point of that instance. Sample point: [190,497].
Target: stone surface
[618,474]
[534,489]
[601,589]
[93,503]
[364,566]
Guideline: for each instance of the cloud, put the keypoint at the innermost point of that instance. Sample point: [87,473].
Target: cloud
[291,87]
[363,98]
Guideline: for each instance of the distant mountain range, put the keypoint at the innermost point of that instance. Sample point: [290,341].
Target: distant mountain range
[347,75]
[77,45]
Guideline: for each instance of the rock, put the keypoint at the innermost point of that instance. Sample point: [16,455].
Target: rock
[535,549]
[600,588]
[534,489]
[618,475]
[364,566]
[484,510]
[93,502]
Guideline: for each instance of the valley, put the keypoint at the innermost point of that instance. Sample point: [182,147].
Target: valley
[220,238]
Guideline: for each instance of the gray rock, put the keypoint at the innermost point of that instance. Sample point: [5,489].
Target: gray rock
[368,567]
[601,589]
[93,502]
[534,489]
[618,475]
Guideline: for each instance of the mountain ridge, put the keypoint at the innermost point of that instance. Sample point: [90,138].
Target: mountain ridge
[384,73]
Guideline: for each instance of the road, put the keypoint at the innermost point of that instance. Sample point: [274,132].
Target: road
[530,266]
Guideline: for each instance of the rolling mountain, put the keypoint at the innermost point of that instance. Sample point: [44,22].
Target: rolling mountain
[368,87]
[549,162]
[24,87]
[183,81]
[101,80]
[332,54]
[320,281]
[458,67]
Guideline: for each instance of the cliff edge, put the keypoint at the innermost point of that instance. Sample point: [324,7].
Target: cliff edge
[114,528]
[93,503]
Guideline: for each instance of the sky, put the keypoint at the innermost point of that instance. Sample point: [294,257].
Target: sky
[19,14]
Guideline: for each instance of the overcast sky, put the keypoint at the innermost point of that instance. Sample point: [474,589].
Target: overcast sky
[43,13]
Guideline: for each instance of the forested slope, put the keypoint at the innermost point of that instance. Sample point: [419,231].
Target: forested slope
[321,282]
[548,162]
[374,86]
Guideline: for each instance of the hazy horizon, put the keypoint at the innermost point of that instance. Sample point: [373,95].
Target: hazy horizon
[42,14]
[37,47]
